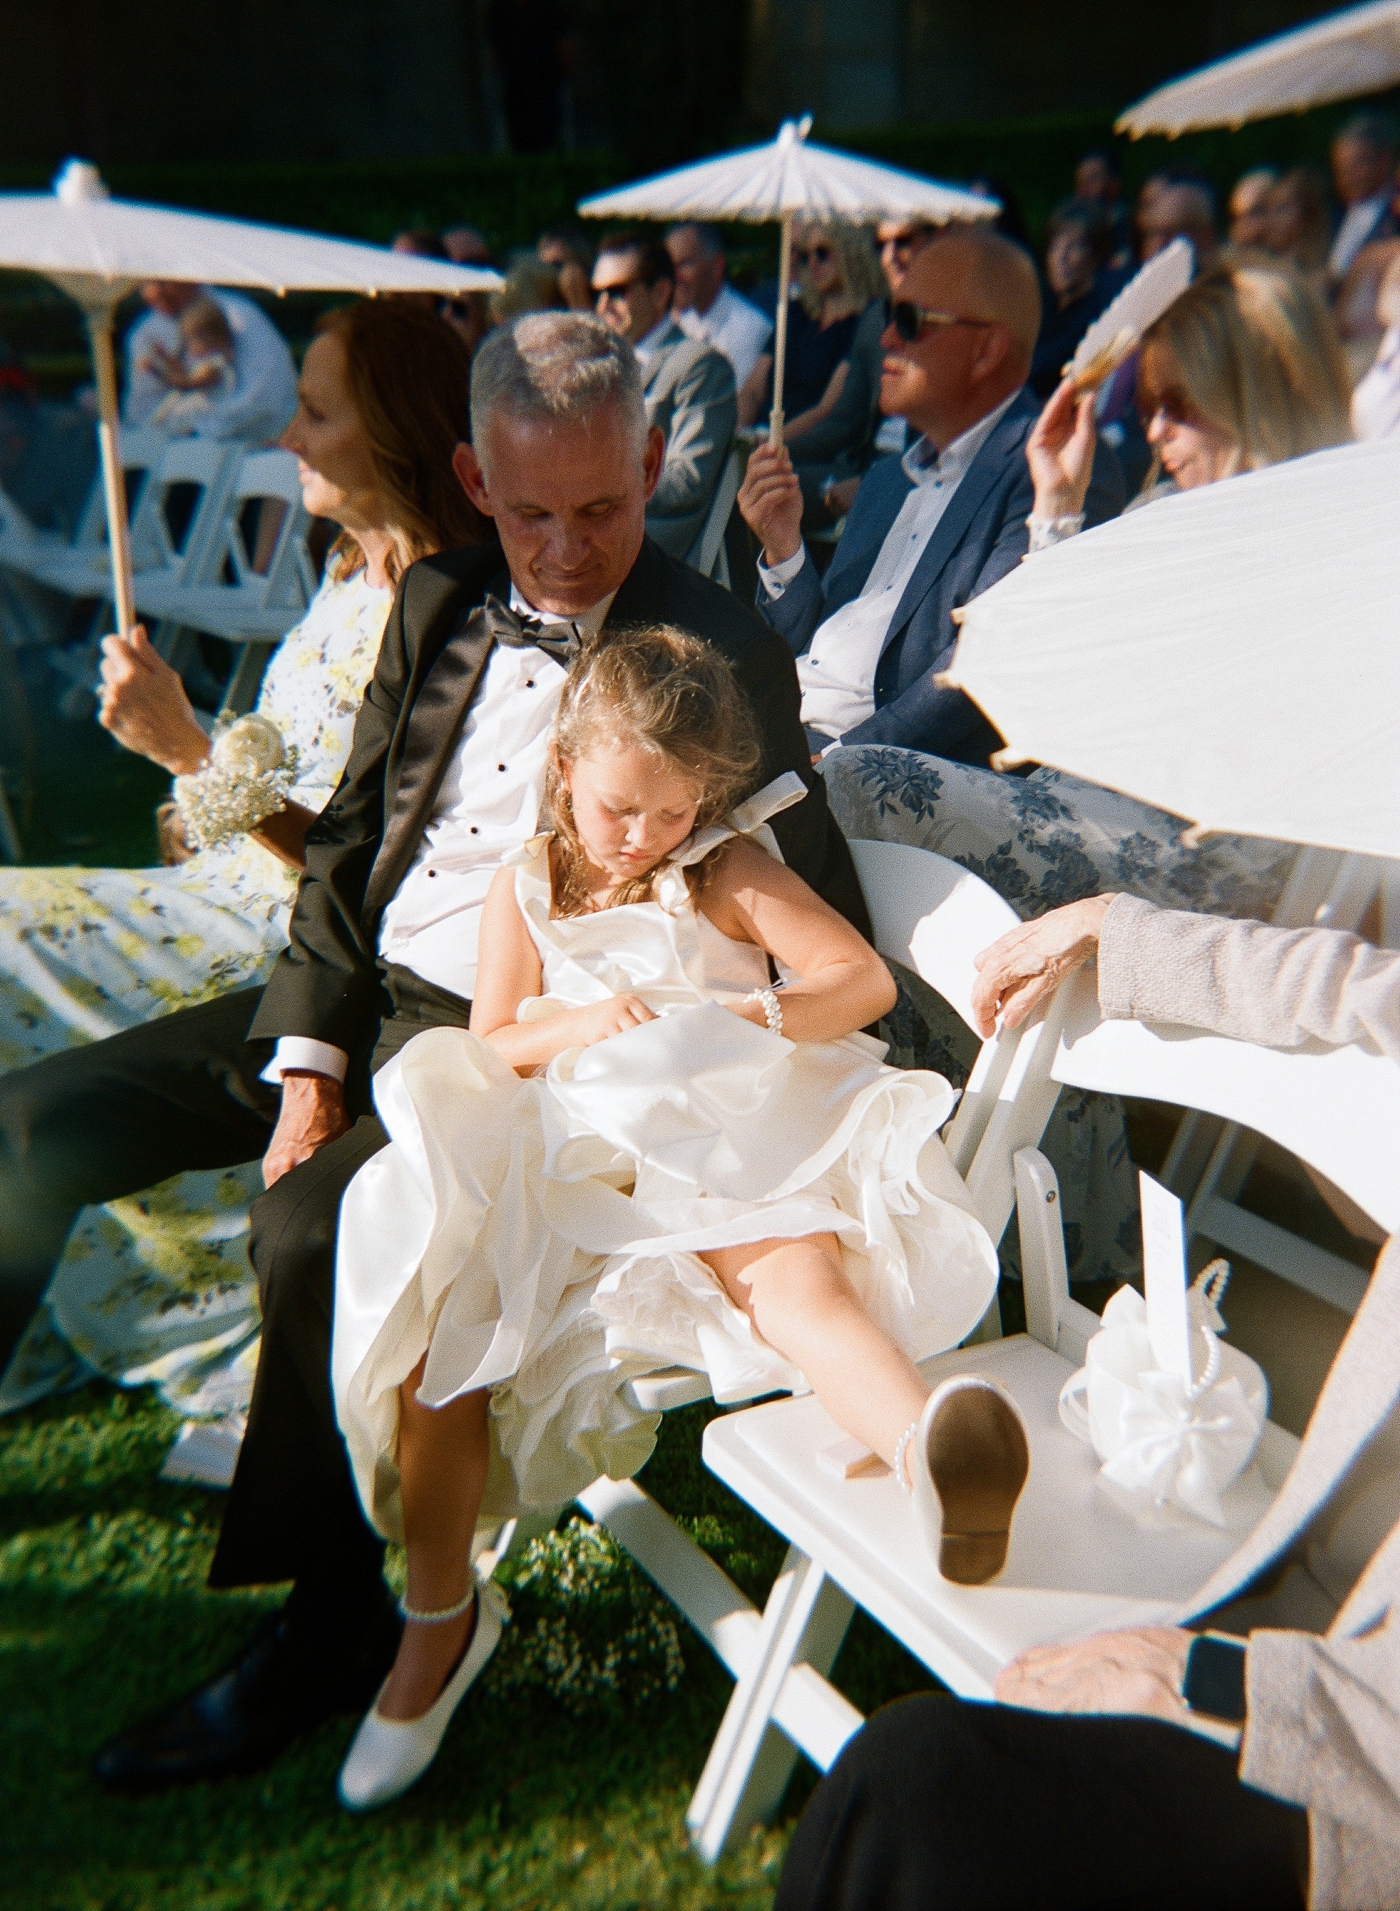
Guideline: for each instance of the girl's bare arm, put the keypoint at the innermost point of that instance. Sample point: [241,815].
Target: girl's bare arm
[842,983]
[509,971]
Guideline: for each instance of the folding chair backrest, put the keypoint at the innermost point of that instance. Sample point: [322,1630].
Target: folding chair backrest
[141,451]
[172,530]
[707,554]
[935,917]
[1337,1109]
[266,549]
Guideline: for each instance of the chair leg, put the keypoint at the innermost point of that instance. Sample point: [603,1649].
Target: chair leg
[751,1761]
[241,690]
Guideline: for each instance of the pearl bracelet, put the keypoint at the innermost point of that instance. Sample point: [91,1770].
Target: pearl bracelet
[772,1009]
[901,1446]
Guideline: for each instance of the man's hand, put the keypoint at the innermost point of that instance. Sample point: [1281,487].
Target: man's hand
[1137,1672]
[1024,967]
[770,502]
[143,703]
[1060,453]
[313,1113]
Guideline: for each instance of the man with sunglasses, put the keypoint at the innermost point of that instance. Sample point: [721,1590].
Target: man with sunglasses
[687,384]
[926,532]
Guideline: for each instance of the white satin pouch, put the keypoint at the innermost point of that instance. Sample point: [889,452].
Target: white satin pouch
[1167,1444]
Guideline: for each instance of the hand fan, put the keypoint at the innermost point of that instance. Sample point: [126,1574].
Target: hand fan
[1118,331]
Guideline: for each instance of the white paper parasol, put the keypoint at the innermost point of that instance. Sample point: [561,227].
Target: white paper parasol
[1231,655]
[789,178]
[99,249]
[1332,59]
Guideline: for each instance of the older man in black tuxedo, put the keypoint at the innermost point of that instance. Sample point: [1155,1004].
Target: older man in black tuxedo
[444,777]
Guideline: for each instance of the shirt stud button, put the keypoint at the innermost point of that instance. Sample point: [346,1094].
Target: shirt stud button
[500,766]
[529,683]
[474,830]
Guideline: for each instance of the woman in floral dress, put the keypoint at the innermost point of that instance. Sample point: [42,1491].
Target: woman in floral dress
[157,1287]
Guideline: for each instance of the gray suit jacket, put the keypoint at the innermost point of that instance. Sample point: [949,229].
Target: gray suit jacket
[1323,1725]
[690,395]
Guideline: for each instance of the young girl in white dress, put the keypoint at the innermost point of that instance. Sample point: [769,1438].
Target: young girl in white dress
[643,1155]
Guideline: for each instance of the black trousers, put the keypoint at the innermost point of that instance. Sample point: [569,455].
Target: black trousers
[941,1805]
[180,1093]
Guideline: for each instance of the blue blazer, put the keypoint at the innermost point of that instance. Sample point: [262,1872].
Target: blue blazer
[981,536]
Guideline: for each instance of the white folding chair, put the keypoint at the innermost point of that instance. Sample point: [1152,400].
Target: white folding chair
[261,577]
[81,566]
[708,554]
[1077,1564]
[934,917]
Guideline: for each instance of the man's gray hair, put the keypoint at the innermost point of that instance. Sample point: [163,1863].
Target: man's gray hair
[560,365]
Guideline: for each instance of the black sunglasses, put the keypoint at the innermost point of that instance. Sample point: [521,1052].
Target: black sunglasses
[911,320]
[813,255]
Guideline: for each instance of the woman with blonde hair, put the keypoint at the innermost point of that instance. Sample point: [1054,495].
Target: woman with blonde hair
[159,1287]
[1245,370]
[837,275]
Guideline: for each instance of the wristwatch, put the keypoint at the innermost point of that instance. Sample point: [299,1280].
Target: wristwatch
[1214,1678]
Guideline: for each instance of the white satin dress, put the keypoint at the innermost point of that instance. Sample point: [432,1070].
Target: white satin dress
[540,1237]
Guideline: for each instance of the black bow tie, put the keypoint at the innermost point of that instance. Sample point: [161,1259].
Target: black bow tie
[559,641]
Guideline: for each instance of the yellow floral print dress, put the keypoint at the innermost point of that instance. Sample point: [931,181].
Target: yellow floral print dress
[158,1287]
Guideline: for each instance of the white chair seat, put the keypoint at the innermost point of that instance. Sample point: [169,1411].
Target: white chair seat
[1077,1562]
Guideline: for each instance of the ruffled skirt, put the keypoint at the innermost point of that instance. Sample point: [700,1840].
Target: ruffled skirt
[540,1238]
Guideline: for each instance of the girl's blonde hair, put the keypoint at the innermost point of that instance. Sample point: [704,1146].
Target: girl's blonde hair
[665,692]
[855,256]
[1260,358]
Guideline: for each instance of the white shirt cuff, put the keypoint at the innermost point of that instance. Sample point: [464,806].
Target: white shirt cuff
[835,744]
[775,578]
[300,1051]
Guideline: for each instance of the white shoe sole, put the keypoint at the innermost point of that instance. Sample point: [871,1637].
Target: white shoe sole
[970,1458]
[387,1756]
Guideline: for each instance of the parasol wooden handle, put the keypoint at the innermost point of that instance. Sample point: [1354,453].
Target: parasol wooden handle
[113,476]
[780,319]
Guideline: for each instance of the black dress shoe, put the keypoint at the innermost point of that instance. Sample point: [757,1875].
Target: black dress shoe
[284,1683]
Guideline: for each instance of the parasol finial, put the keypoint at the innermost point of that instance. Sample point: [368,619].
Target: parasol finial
[78,182]
[793,131]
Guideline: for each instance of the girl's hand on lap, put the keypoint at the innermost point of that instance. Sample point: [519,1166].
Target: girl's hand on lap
[603,1019]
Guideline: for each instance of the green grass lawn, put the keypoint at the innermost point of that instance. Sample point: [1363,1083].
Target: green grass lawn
[103,1612]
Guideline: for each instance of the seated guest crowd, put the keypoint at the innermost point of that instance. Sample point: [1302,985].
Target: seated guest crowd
[541,766]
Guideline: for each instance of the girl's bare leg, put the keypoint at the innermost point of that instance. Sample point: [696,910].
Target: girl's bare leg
[442,1458]
[798,1296]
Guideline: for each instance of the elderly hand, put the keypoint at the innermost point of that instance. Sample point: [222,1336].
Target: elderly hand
[1060,453]
[770,502]
[143,703]
[1138,1672]
[313,1113]
[1024,967]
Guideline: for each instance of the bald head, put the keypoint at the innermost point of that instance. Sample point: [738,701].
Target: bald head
[953,374]
[996,280]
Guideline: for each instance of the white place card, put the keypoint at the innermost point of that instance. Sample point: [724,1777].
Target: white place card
[1164,1269]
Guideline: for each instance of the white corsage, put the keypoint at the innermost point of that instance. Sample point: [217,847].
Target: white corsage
[249,772]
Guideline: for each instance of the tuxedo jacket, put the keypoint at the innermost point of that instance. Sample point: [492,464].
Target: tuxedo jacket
[981,536]
[689,393]
[327,984]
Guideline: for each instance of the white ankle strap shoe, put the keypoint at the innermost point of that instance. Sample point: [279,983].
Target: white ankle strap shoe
[968,1462]
[387,1756]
